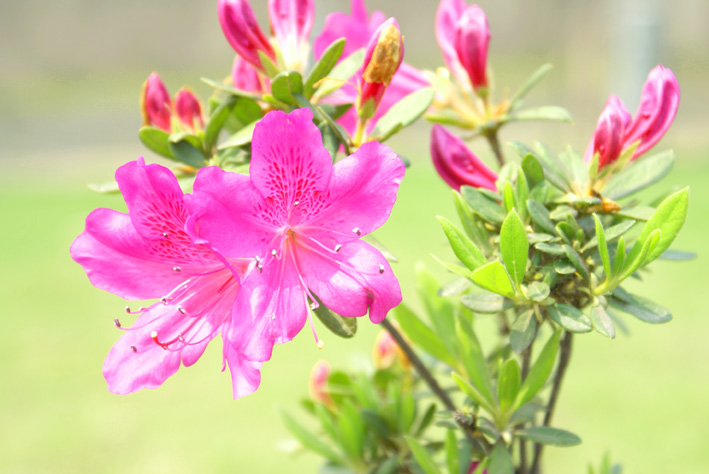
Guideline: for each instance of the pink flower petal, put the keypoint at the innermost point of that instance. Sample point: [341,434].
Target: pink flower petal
[447,15]
[291,19]
[456,164]
[245,374]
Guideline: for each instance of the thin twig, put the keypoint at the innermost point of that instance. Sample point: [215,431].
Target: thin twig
[475,436]
[494,142]
[563,363]
[526,360]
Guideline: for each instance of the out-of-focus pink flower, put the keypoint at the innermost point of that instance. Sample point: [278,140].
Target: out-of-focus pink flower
[471,43]
[386,352]
[473,466]
[301,218]
[291,23]
[456,164]
[155,103]
[148,254]
[243,32]
[616,132]
[246,78]
[447,16]
[188,110]
[382,58]
[658,106]
[357,28]
[317,384]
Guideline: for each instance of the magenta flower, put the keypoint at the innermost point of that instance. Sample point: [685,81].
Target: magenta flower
[246,78]
[243,32]
[147,254]
[616,132]
[291,23]
[456,164]
[464,35]
[155,103]
[301,218]
[358,28]
[188,110]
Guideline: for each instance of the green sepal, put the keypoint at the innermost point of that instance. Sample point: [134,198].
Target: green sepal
[269,67]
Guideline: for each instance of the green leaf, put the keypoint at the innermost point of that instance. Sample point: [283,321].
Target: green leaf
[540,216]
[677,255]
[341,74]
[611,233]
[423,458]
[619,261]
[403,113]
[639,175]
[549,436]
[532,169]
[500,461]
[669,219]
[486,303]
[466,251]
[240,138]
[508,197]
[482,206]
[577,262]
[342,326]
[187,149]
[285,84]
[521,195]
[639,255]
[309,440]
[422,335]
[569,318]
[337,129]
[472,226]
[638,213]
[523,331]
[352,430]
[246,111]
[474,361]
[426,419]
[514,246]
[531,82]
[329,139]
[455,287]
[509,384]
[643,309]
[440,310]
[494,277]
[603,246]
[553,113]
[217,121]
[156,140]
[538,291]
[229,89]
[551,249]
[602,322]
[472,392]
[323,67]
[269,66]
[556,172]
[452,453]
[539,373]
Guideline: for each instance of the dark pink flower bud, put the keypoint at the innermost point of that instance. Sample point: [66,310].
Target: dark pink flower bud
[471,43]
[456,164]
[292,22]
[657,110]
[188,110]
[242,31]
[245,77]
[317,384]
[383,56]
[155,103]
[608,140]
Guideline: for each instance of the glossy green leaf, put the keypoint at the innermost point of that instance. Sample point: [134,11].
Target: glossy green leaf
[342,326]
[538,291]
[336,128]
[532,169]
[642,308]
[309,440]
[404,113]
[611,233]
[514,246]
[620,255]
[551,249]
[466,251]
[486,303]
[423,458]
[577,262]
[639,254]
[285,84]
[539,372]
[426,419]
[639,175]
[500,461]
[540,216]
[329,139]
[422,335]
[156,140]
[602,322]
[524,329]
[322,68]
[556,172]
[509,384]
[486,208]
[455,287]
[531,82]
[472,226]
[521,195]
[508,197]
[240,138]
[549,436]
[494,277]
[187,149]
[569,318]
[217,120]
[340,74]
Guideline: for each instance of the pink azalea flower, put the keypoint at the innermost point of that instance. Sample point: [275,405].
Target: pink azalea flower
[147,254]
[357,28]
[301,218]
[456,164]
[155,103]
[615,131]
[246,78]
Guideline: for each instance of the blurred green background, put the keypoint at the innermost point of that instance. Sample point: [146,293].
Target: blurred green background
[70,76]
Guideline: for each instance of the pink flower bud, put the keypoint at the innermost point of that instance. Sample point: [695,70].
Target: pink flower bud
[155,103]
[245,77]
[473,466]
[447,16]
[386,352]
[383,56]
[608,141]
[471,43]
[456,164]
[242,31]
[317,384]
[292,22]
[657,110]
[188,110]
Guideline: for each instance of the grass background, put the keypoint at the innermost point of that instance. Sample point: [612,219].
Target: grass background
[69,81]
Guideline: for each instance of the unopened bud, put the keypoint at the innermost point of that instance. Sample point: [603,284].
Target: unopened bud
[188,110]
[155,103]
[456,164]
[317,384]
[243,32]
[610,130]
[471,43]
